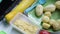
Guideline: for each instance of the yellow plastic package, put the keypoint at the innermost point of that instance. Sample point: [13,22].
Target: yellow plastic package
[19,8]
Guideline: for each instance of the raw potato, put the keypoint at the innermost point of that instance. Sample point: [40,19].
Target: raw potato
[50,8]
[48,14]
[46,26]
[39,10]
[56,26]
[57,4]
[45,19]
[51,21]
[58,21]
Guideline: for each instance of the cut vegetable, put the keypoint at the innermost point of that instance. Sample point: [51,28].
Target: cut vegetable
[48,14]
[51,21]
[46,26]
[57,4]
[58,21]
[56,26]
[39,10]
[25,26]
[45,19]
[50,8]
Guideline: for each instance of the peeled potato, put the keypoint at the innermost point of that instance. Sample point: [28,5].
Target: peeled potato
[48,14]
[57,4]
[45,19]
[50,8]
[51,21]
[58,21]
[46,26]
[56,26]
[39,10]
